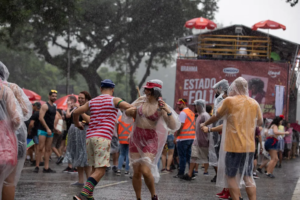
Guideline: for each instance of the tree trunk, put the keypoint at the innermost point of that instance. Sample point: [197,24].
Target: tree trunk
[93,80]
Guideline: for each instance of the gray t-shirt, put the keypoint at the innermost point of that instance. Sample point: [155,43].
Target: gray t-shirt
[202,139]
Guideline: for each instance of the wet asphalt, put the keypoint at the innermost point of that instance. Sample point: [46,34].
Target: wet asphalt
[56,186]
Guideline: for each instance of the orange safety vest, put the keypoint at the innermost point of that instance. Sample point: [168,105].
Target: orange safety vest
[123,131]
[189,127]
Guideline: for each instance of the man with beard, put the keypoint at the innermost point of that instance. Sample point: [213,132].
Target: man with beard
[185,136]
[45,131]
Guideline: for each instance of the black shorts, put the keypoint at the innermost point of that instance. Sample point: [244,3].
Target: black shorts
[235,162]
[64,135]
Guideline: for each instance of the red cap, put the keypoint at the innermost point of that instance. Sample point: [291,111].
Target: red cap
[281,116]
[180,101]
[150,85]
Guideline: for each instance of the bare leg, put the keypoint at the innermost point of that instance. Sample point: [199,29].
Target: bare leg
[234,189]
[196,167]
[192,166]
[115,159]
[48,151]
[273,162]
[289,154]
[149,180]
[88,171]
[80,175]
[36,150]
[164,158]
[98,173]
[8,190]
[137,180]
[280,157]
[170,158]
[250,188]
[206,165]
[255,165]
[55,150]
[41,146]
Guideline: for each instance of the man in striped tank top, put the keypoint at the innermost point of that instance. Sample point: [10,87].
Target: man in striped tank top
[104,110]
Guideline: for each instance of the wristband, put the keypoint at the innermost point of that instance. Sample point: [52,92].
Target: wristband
[169,114]
[119,103]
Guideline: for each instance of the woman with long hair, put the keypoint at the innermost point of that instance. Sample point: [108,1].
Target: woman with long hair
[153,120]
[76,148]
[271,145]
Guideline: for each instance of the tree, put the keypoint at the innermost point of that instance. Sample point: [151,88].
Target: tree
[292,2]
[116,31]
[29,72]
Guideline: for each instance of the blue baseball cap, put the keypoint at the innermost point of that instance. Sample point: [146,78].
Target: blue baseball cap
[107,83]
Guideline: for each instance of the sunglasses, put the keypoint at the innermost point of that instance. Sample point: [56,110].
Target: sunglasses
[54,91]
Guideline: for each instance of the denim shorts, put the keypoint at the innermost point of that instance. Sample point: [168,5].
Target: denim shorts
[271,144]
[44,133]
[235,162]
[36,139]
[170,142]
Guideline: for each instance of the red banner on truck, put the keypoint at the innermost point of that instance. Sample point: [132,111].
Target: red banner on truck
[195,80]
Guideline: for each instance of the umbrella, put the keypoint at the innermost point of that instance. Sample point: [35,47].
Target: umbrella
[32,96]
[200,23]
[268,24]
[61,103]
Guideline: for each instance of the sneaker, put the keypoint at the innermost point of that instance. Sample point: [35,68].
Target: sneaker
[80,197]
[221,193]
[231,198]
[186,177]
[205,173]
[163,170]
[193,176]
[73,171]
[255,176]
[36,169]
[115,169]
[214,179]
[59,160]
[118,173]
[48,171]
[178,176]
[169,170]
[270,176]
[259,170]
[195,172]
[127,173]
[77,184]
[67,169]
[226,195]
[155,197]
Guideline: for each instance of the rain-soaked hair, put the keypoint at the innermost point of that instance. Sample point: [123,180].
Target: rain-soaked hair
[87,95]
[276,121]
[155,93]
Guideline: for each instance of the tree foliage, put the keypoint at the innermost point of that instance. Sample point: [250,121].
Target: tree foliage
[116,32]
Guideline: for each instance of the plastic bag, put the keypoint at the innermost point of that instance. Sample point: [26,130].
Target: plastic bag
[150,131]
[240,114]
[10,121]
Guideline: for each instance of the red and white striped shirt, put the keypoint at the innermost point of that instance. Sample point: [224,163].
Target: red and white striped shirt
[103,117]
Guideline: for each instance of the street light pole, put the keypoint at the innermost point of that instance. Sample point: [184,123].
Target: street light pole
[68,62]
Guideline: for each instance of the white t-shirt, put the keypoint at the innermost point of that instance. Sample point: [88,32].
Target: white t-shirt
[182,116]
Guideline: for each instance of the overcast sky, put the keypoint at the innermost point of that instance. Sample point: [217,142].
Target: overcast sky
[249,12]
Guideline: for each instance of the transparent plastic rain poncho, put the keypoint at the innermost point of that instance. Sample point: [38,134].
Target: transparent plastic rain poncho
[26,108]
[150,132]
[201,141]
[241,115]
[10,121]
[214,137]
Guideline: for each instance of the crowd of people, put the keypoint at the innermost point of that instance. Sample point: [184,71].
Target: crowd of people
[146,137]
